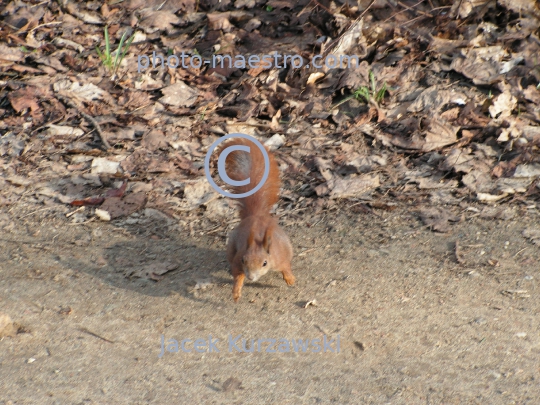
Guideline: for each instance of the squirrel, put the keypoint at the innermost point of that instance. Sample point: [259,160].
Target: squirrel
[258,244]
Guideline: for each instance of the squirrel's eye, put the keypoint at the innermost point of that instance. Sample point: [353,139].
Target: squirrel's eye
[243,260]
[264,264]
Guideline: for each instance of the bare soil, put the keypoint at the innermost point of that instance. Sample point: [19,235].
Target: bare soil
[416,325]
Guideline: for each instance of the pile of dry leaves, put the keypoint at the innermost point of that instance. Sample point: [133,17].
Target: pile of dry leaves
[452,111]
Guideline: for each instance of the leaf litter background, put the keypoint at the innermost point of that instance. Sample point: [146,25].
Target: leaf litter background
[459,124]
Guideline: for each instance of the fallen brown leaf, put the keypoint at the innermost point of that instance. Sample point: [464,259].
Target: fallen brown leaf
[438,219]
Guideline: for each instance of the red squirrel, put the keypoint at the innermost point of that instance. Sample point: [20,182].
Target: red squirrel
[258,244]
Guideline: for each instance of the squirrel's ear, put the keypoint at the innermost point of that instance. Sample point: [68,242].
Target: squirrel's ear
[250,240]
[267,241]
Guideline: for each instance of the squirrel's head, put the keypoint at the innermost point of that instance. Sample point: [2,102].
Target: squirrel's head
[256,260]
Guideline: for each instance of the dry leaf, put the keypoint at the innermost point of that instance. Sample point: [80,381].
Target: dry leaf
[232,384]
[503,105]
[122,207]
[24,98]
[313,77]
[219,21]
[153,271]
[533,235]
[354,187]
[153,20]
[482,65]
[11,54]
[62,130]
[154,140]
[198,193]
[275,142]
[312,303]
[488,198]
[105,166]
[438,219]
[179,95]
[434,98]
[532,170]
[86,92]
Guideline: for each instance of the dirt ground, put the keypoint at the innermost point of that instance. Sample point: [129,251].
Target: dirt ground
[416,325]
[112,241]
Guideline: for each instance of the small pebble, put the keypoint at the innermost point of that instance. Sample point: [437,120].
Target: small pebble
[360,345]
[480,321]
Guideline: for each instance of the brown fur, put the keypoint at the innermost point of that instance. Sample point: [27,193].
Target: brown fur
[257,244]
[239,166]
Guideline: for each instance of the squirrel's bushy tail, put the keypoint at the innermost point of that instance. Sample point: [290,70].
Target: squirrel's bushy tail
[240,165]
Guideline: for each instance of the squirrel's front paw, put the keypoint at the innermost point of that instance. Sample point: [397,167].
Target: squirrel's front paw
[289,279]
[237,287]
[236,296]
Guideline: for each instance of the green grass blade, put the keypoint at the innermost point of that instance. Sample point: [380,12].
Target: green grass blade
[107,44]
[128,44]
[362,92]
[99,54]
[117,57]
[381,93]
[343,101]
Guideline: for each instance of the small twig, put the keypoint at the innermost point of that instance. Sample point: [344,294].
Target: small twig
[27,242]
[36,211]
[406,8]
[457,9]
[40,26]
[95,335]
[412,7]
[139,108]
[39,4]
[414,20]
[440,8]
[520,252]
[87,117]
[46,125]
[323,7]
[316,223]
[74,212]
[303,253]
[332,44]
[216,229]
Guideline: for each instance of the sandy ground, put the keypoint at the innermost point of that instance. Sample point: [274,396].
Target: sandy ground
[415,326]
